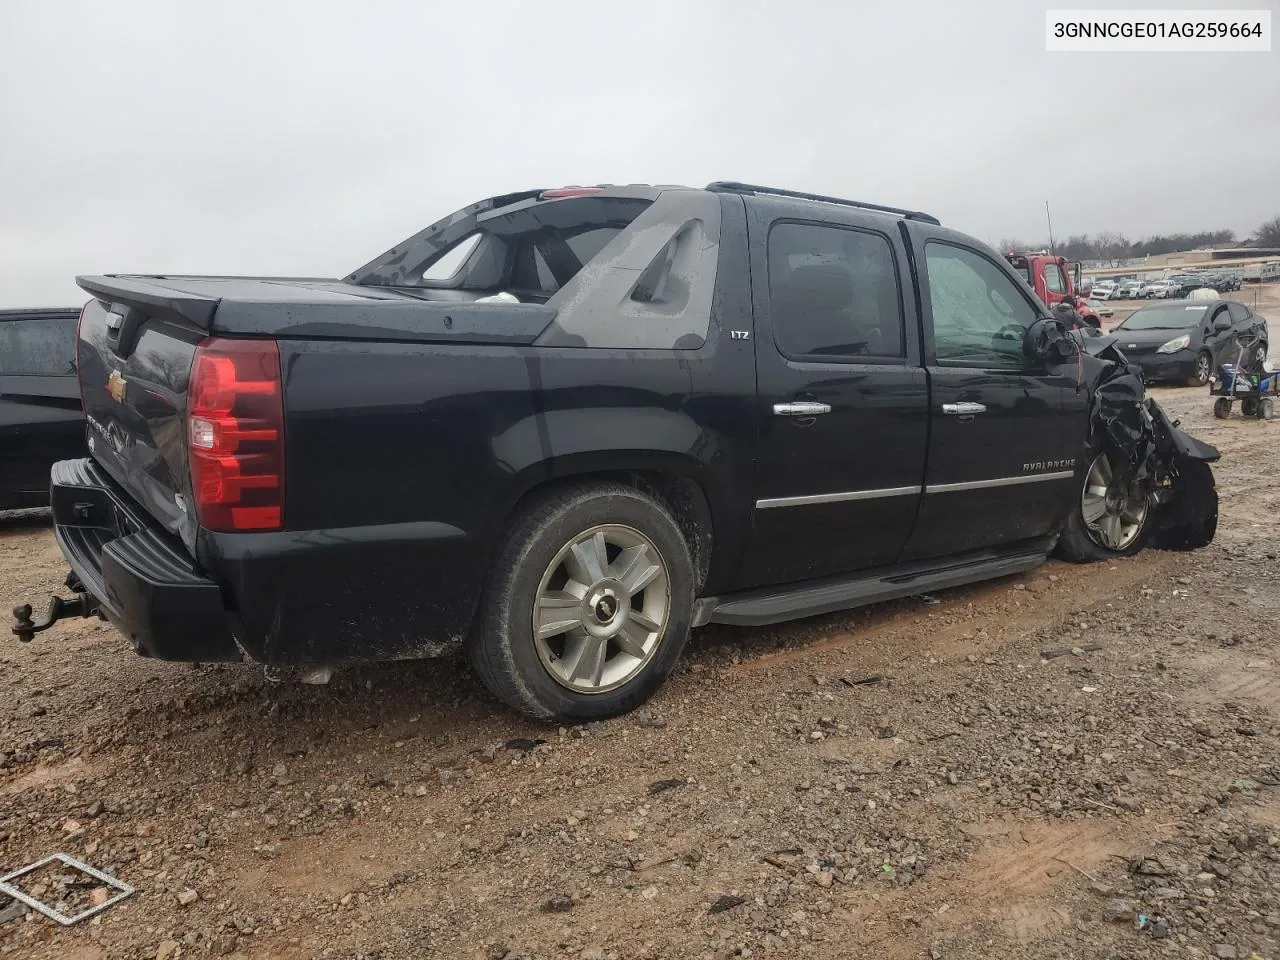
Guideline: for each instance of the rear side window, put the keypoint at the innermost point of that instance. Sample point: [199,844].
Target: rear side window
[38,347]
[833,293]
[1238,311]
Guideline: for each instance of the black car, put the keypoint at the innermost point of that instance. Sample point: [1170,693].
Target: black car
[1182,340]
[41,420]
[557,429]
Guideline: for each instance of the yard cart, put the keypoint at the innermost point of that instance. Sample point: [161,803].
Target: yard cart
[1247,380]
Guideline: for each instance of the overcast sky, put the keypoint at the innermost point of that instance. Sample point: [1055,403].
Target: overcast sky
[275,137]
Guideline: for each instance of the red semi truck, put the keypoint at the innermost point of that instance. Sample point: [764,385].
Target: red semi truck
[1054,279]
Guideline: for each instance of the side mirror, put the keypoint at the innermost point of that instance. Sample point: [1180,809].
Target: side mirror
[1047,341]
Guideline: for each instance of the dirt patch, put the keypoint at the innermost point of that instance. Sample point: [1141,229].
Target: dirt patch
[1232,677]
[44,776]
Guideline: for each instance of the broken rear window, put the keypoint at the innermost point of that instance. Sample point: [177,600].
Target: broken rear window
[530,248]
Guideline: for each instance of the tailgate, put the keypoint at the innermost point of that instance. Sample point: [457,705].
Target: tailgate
[134,361]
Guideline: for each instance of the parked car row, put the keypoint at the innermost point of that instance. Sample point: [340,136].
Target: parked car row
[1168,287]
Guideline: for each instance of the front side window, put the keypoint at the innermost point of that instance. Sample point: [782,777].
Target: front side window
[979,315]
[38,347]
[834,293]
[1239,311]
[1053,279]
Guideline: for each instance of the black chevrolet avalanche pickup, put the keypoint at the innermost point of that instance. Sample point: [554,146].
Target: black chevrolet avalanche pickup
[560,428]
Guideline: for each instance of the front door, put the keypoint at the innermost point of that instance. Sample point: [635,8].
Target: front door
[842,398]
[1004,443]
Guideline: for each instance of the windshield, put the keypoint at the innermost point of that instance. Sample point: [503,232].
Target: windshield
[1174,316]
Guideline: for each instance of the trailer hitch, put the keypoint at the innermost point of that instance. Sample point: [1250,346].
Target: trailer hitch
[60,608]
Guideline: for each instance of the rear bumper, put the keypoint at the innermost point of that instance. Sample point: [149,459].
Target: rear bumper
[143,580]
[383,592]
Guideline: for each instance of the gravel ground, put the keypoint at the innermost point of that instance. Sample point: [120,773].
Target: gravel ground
[1076,762]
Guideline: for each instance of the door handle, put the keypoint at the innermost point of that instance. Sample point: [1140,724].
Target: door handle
[800,408]
[964,409]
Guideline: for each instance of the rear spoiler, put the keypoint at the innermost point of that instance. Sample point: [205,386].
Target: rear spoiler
[390,319]
[151,298]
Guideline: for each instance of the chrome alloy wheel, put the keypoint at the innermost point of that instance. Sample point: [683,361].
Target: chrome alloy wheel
[601,608]
[1113,515]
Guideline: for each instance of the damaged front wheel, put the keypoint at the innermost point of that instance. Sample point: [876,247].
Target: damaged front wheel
[1111,517]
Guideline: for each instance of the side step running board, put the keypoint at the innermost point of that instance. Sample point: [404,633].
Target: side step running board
[828,596]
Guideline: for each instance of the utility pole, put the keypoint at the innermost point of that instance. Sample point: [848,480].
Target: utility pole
[1050,219]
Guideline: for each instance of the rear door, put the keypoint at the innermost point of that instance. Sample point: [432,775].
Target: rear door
[1246,323]
[1220,332]
[40,416]
[842,399]
[1004,440]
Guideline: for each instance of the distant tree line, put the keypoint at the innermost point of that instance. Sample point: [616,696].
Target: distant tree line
[1268,235]
[1116,246]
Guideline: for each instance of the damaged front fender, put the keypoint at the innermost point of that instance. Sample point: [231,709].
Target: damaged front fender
[1143,443]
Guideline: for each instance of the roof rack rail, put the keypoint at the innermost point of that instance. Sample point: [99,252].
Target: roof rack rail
[730,186]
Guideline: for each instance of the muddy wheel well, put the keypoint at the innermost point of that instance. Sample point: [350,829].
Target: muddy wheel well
[682,496]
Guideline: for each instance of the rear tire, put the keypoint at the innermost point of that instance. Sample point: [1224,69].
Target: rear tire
[1266,408]
[605,573]
[1105,522]
[1249,407]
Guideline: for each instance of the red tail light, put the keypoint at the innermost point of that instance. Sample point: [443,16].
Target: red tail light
[235,435]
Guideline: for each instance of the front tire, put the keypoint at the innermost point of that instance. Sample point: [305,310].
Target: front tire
[1106,521]
[1203,369]
[588,607]
[1196,521]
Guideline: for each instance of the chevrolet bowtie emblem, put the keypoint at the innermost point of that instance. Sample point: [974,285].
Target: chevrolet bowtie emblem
[115,386]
